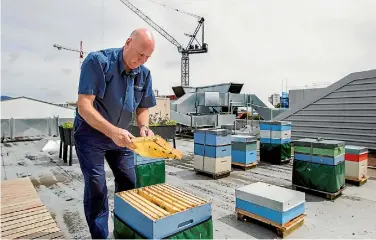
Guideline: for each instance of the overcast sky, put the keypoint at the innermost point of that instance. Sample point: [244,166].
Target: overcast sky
[258,43]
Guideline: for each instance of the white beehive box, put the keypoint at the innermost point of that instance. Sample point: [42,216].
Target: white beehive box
[212,165]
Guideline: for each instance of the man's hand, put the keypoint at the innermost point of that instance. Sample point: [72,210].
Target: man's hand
[145,131]
[123,138]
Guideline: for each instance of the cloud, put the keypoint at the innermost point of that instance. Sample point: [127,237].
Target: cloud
[259,43]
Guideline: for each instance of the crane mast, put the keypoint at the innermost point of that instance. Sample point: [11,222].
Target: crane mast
[190,49]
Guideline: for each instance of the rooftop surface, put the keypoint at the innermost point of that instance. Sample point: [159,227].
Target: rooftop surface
[60,188]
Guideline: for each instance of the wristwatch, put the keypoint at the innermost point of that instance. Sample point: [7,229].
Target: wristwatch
[143,125]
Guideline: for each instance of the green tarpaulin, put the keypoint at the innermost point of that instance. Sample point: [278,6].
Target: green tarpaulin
[150,174]
[201,231]
[326,178]
[334,152]
[274,153]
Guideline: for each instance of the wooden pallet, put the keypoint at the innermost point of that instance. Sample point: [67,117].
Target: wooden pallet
[281,230]
[213,175]
[243,166]
[160,200]
[155,147]
[23,215]
[330,196]
[357,182]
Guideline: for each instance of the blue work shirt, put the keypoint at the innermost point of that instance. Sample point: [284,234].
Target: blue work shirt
[118,93]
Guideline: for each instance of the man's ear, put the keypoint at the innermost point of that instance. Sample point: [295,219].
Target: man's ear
[127,43]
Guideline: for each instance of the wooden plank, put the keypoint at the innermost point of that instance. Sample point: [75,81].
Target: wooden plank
[146,205]
[282,229]
[22,198]
[159,202]
[243,166]
[23,203]
[27,214]
[330,196]
[17,182]
[139,207]
[183,198]
[32,229]
[171,202]
[23,214]
[25,220]
[20,208]
[27,227]
[16,195]
[45,234]
[173,197]
[183,193]
[4,217]
[150,204]
[356,181]
[56,235]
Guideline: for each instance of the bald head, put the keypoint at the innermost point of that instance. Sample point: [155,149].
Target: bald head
[138,48]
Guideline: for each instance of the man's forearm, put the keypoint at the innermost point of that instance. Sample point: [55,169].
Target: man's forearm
[93,117]
[142,115]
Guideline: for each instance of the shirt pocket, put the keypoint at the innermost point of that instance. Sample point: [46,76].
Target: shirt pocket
[138,94]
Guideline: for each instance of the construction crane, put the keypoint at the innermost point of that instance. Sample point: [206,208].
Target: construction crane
[185,51]
[59,47]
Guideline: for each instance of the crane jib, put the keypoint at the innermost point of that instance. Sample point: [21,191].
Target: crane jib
[198,47]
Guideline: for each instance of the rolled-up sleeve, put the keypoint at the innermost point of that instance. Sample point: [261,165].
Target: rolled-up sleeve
[148,100]
[92,78]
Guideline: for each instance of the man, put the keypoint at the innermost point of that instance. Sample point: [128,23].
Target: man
[114,86]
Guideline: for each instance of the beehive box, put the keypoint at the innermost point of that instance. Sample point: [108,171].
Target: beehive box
[202,230]
[275,141]
[212,149]
[212,165]
[356,161]
[139,160]
[327,152]
[160,210]
[244,149]
[272,203]
[319,165]
[150,173]
[275,132]
[212,137]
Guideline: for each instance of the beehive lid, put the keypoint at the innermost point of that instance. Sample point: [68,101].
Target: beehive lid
[304,142]
[215,131]
[355,149]
[160,200]
[243,138]
[328,144]
[271,122]
[155,147]
[270,196]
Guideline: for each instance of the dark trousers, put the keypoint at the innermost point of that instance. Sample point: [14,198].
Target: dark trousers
[92,148]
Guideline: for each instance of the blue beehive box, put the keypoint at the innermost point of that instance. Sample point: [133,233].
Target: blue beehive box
[160,210]
[325,160]
[213,137]
[276,204]
[212,151]
[275,132]
[139,160]
[244,157]
[244,149]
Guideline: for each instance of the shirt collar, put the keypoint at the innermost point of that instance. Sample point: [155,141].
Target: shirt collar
[123,68]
